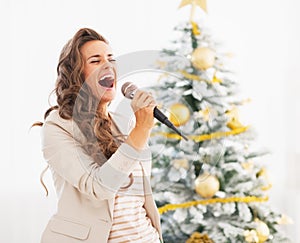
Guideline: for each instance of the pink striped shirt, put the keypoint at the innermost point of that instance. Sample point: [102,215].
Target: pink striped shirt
[130,222]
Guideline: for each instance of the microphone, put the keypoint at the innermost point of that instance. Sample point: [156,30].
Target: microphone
[128,89]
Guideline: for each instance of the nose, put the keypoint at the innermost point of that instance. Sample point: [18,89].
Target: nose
[107,65]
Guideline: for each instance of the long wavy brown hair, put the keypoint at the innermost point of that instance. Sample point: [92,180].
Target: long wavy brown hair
[76,101]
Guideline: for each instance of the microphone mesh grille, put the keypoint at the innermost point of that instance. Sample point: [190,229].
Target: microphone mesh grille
[128,89]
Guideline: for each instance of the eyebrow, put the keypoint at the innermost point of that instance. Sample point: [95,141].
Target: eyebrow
[97,55]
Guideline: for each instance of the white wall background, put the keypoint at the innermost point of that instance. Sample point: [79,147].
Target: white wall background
[263,35]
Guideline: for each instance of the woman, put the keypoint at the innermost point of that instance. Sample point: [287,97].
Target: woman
[100,173]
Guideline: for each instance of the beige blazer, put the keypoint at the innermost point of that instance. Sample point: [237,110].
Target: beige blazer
[86,192]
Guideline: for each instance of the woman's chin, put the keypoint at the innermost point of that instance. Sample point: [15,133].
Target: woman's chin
[108,96]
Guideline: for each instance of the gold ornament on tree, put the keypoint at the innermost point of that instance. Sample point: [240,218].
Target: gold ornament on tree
[234,122]
[262,230]
[248,165]
[180,163]
[199,238]
[195,28]
[203,58]
[251,236]
[205,114]
[207,185]
[258,235]
[179,114]
[264,174]
[216,79]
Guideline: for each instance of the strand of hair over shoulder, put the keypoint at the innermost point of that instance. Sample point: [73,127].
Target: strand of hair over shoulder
[41,124]
[42,182]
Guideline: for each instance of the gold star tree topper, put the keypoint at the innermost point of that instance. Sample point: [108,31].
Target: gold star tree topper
[194,3]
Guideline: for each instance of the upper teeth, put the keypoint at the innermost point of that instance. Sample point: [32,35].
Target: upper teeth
[107,76]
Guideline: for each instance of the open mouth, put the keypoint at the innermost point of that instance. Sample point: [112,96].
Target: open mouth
[107,81]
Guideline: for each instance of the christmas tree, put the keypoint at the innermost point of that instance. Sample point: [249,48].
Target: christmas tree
[211,188]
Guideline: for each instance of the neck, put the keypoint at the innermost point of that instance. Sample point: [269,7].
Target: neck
[102,108]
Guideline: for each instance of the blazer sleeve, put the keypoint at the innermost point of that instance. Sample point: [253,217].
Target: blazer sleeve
[66,156]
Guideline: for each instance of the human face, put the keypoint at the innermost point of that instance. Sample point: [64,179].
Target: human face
[99,70]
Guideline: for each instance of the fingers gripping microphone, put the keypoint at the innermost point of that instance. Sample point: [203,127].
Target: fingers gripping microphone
[129,89]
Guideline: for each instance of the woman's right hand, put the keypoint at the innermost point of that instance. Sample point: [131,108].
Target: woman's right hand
[142,104]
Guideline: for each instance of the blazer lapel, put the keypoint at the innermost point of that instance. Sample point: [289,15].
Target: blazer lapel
[111,203]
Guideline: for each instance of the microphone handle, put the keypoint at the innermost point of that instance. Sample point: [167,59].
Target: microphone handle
[163,119]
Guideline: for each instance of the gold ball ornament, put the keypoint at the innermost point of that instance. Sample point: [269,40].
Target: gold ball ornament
[179,114]
[203,58]
[262,230]
[207,185]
